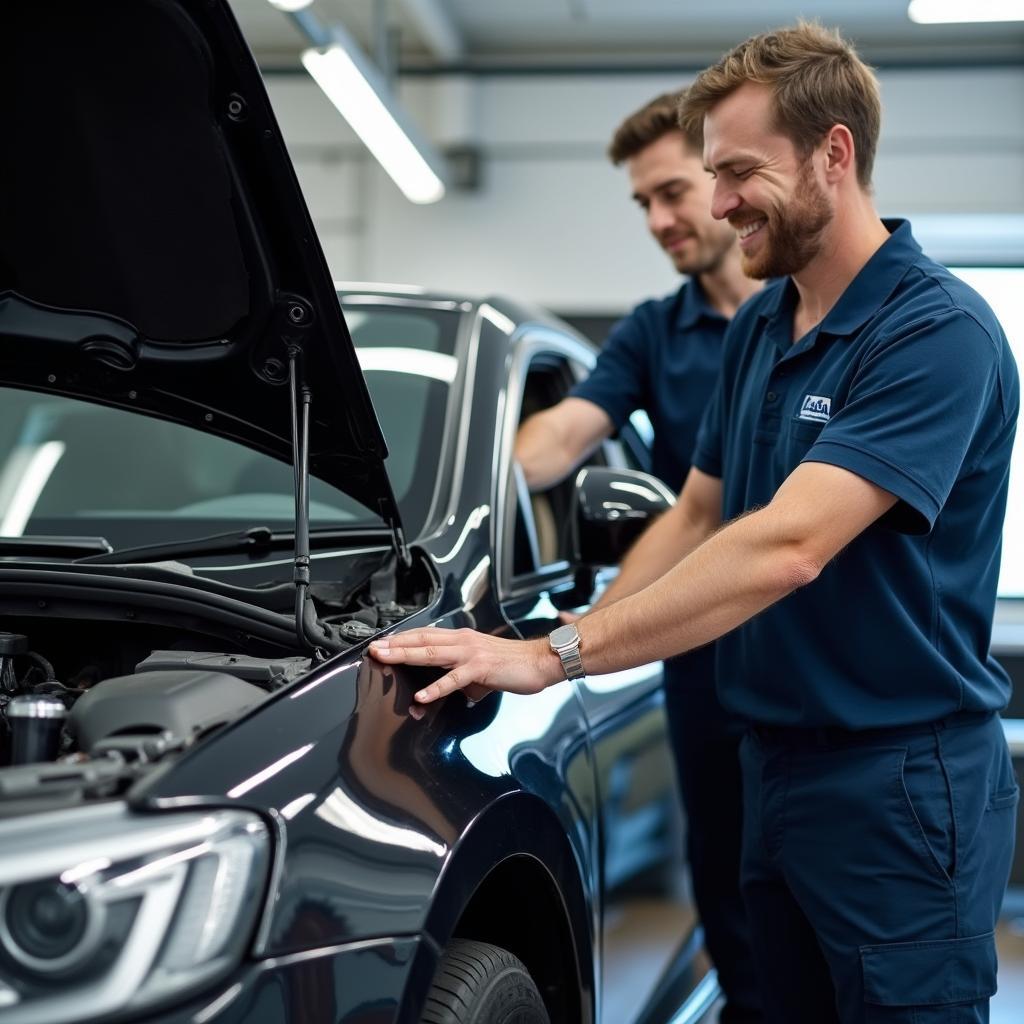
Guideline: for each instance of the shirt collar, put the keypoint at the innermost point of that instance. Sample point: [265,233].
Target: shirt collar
[693,305]
[866,293]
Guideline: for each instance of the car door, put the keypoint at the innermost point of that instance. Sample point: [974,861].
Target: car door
[646,913]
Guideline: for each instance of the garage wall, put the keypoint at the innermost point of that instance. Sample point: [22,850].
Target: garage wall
[552,220]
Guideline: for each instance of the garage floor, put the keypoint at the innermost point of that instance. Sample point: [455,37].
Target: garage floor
[638,947]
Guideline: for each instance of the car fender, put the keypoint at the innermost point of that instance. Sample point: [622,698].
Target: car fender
[489,888]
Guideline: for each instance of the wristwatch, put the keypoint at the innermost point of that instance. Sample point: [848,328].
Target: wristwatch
[565,642]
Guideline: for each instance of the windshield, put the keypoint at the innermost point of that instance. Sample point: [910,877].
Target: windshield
[75,468]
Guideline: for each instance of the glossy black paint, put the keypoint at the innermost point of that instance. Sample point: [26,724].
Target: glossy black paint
[390,827]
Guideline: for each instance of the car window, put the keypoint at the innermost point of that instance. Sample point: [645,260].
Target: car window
[68,466]
[542,534]
[408,359]
[75,467]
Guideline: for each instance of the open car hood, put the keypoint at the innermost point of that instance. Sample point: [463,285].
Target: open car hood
[156,253]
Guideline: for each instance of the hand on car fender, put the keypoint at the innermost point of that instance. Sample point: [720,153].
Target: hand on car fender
[476,663]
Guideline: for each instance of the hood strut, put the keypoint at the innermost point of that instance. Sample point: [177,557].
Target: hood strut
[310,630]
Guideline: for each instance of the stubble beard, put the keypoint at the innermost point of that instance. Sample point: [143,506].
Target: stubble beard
[793,234]
[711,251]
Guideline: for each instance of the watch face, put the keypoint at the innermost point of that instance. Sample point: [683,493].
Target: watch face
[563,636]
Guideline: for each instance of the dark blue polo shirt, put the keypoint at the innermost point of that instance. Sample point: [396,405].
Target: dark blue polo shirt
[663,358]
[909,383]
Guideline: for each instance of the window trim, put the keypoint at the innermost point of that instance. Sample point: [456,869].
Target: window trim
[533,342]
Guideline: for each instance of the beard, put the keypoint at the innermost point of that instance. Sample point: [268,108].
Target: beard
[711,251]
[793,233]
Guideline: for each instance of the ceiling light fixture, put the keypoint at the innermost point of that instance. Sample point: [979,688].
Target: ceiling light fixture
[290,6]
[336,69]
[936,12]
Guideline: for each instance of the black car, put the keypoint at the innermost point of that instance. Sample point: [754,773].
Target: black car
[213,806]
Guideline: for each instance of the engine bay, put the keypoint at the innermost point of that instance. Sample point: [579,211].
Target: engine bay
[110,691]
[90,688]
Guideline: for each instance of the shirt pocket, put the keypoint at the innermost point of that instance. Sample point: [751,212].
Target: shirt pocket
[768,430]
[802,435]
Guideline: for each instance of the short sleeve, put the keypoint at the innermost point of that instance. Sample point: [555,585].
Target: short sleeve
[916,408]
[619,383]
[707,455]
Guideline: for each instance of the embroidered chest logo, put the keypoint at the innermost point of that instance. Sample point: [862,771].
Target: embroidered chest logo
[817,408]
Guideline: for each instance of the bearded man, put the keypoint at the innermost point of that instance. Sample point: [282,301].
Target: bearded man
[858,446]
[664,359]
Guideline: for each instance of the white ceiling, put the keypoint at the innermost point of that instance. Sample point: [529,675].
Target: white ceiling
[522,33]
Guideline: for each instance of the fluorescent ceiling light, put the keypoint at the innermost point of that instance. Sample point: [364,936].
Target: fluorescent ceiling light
[290,6]
[379,286]
[346,86]
[936,12]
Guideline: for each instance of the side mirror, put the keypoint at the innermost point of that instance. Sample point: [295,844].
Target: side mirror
[612,507]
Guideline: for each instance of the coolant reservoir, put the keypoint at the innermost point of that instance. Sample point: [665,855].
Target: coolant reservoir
[36,722]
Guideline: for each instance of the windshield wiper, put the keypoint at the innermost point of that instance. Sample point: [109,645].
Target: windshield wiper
[256,542]
[55,547]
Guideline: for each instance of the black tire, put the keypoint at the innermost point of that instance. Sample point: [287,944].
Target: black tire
[477,983]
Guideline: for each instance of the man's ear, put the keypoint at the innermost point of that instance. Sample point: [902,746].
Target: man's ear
[839,153]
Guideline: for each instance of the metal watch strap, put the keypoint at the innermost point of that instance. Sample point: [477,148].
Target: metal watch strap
[565,642]
[572,663]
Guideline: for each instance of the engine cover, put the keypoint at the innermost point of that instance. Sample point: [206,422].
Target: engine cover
[182,703]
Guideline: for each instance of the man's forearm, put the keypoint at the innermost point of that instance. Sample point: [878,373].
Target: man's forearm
[551,443]
[738,572]
[540,452]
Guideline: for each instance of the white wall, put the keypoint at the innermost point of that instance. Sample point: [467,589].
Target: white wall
[552,221]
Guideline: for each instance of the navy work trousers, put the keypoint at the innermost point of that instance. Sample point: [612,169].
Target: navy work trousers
[874,866]
[705,743]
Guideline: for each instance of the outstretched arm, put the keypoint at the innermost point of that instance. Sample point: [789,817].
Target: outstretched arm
[550,444]
[742,569]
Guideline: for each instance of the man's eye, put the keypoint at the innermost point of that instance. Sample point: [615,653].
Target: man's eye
[746,173]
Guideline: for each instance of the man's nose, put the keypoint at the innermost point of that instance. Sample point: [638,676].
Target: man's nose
[723,201]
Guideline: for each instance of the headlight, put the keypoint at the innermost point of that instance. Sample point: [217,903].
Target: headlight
[104,910]
[48,927]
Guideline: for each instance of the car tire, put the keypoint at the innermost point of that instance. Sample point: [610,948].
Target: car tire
[477,983]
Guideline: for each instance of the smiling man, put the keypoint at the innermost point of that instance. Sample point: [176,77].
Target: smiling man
[664,358]
[858,446]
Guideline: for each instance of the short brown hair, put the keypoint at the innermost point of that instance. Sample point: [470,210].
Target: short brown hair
[817,80]
[647,125]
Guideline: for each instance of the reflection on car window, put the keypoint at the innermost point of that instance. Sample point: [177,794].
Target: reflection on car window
[69,466]
[408,358]
[65,460]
